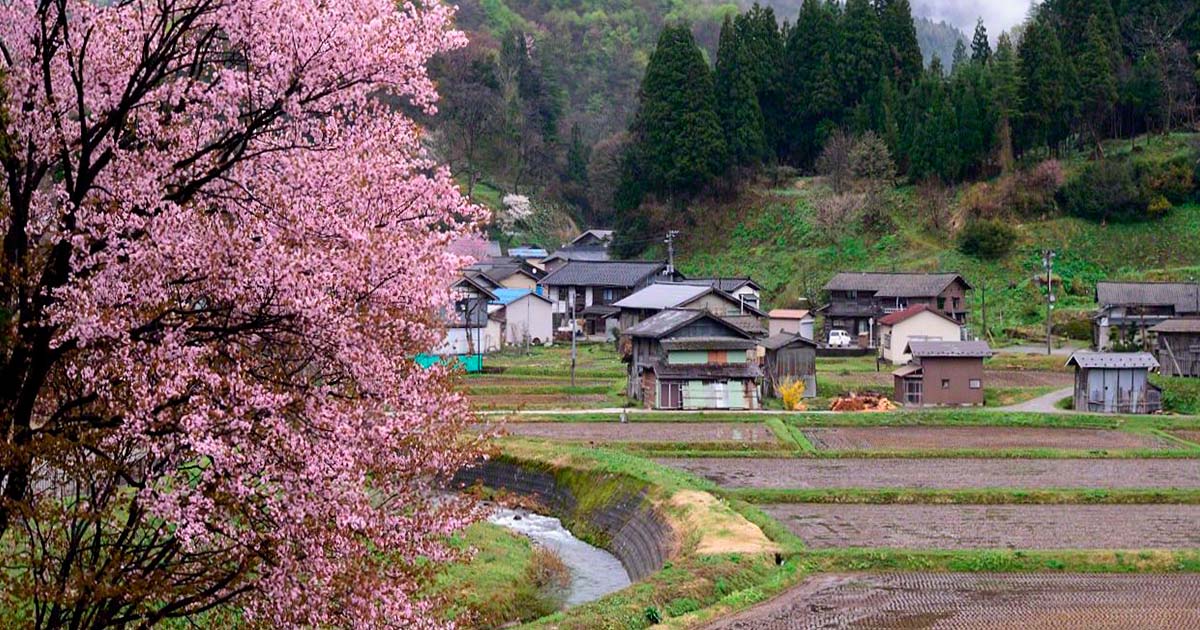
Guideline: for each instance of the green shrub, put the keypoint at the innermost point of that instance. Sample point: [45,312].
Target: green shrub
[1173,180]
[1079,329]
[652,615]
[1181,395]
[682,606]
[987,239]
[1106,190]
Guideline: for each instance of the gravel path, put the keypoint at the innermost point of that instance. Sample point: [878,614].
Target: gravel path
[823,526]
[924,438]
[947,473]
[979,601]
[695,432]
[1043,404]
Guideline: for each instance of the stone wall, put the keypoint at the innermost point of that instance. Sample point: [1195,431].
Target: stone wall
[628,526]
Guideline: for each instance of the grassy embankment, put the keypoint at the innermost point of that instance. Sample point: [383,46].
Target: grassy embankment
[771,234]
[505,579]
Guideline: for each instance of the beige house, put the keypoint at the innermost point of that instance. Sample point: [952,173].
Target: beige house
[791,321]
[915,323]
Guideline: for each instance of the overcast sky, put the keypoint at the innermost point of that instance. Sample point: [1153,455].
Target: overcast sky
[998,15]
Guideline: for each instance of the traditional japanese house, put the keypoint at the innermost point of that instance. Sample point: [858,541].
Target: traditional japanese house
[918,322]
[788,357]
[858,299]
[652,299]
[703,373]
[642,346]
[589,289]
[1115,382]
[1177,347]
[1125,311]
[943,373]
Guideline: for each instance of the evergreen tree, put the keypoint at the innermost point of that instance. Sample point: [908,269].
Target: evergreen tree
[681,145]
[760,33]
[1006,98]
[981,48]
[960,56]
[1146,91]
[812,89]
[904,60]
[737,100]
[1097,82]
[577,157]
[864,50]
[1045,83]
[934,147]
[971,94]
[1070,20]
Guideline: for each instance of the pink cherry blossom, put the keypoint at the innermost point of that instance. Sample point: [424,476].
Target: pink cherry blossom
[223,243]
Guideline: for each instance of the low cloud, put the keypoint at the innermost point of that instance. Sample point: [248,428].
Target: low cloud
[998,15]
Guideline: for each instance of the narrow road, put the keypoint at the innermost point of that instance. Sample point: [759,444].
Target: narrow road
[1043,404]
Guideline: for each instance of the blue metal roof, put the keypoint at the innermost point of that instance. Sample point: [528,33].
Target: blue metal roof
[508,296]
[527,252]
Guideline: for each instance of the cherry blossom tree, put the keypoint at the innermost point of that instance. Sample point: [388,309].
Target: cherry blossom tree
[221,239]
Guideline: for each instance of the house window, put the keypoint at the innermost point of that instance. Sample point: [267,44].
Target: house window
[945,383]
[941,302]
[912,391]
[670,395]
[750,300]
[608,296]
[956,304]
[975,383]
[863,326]
[852,295]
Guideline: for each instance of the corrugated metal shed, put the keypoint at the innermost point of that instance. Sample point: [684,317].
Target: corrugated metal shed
[662,295]
[942,349]
[782,340]
[1113,360]
[708,343]
[894,284]
[602,273]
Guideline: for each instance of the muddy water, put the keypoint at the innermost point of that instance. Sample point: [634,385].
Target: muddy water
[594,571]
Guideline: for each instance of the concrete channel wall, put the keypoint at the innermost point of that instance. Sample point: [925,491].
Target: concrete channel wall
[628,525]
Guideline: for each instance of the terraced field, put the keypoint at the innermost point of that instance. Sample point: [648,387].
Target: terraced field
[979,601]
[646,432]
[984,438]
[936,472]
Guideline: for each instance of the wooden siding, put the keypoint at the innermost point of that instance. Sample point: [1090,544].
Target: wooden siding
[1178,354]
[795,363]
[1124,390]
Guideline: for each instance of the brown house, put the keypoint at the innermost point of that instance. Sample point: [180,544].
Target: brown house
[943,373]
[858,299]
[1177,347]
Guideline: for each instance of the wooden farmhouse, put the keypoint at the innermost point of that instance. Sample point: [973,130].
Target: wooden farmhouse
[589,289]
[1115,382]
[788,357]
[918,322]
[858,299]
[714,370]
[943,373]
[1125,311]
[1177,347]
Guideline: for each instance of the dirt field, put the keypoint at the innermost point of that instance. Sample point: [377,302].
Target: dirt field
[992,526]
[922,438]
[699,432]
[979,601]
[943,472]
[1191,436]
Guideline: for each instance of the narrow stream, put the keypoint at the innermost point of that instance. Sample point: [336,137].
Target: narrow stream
[594,571]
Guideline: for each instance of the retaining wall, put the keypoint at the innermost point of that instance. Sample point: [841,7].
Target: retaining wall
[629,527]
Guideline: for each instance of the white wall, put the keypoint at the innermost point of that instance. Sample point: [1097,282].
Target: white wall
[456,340]
[528,316]
[802,327]
[924,325]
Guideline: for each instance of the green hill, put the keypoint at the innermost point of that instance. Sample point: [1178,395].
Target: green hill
[771,234]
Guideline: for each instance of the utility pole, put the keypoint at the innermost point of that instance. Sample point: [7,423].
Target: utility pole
[573,331]
[670,241]
[1048,263]
[983,296]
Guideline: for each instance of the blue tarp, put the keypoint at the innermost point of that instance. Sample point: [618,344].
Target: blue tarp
[468,362]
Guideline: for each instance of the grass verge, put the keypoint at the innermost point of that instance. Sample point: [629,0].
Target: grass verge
[983,496]
[998,561]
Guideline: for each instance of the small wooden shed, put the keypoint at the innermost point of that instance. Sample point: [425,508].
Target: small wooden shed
[1177,347]
[788,357]
[943,373]
[1115,382]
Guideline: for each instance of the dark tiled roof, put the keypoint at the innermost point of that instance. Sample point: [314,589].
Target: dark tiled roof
[749,323]
[894,284]
[1181,295]
[945,349]
[708,343]
[1113,360]
[1178,325]
[668,321]
[602,235]
[577,252]
[782,340]
[602,274]
[891,319]
[728,285]
[707,371]
[600,310]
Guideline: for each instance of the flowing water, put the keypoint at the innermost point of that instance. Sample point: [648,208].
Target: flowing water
[594,571]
